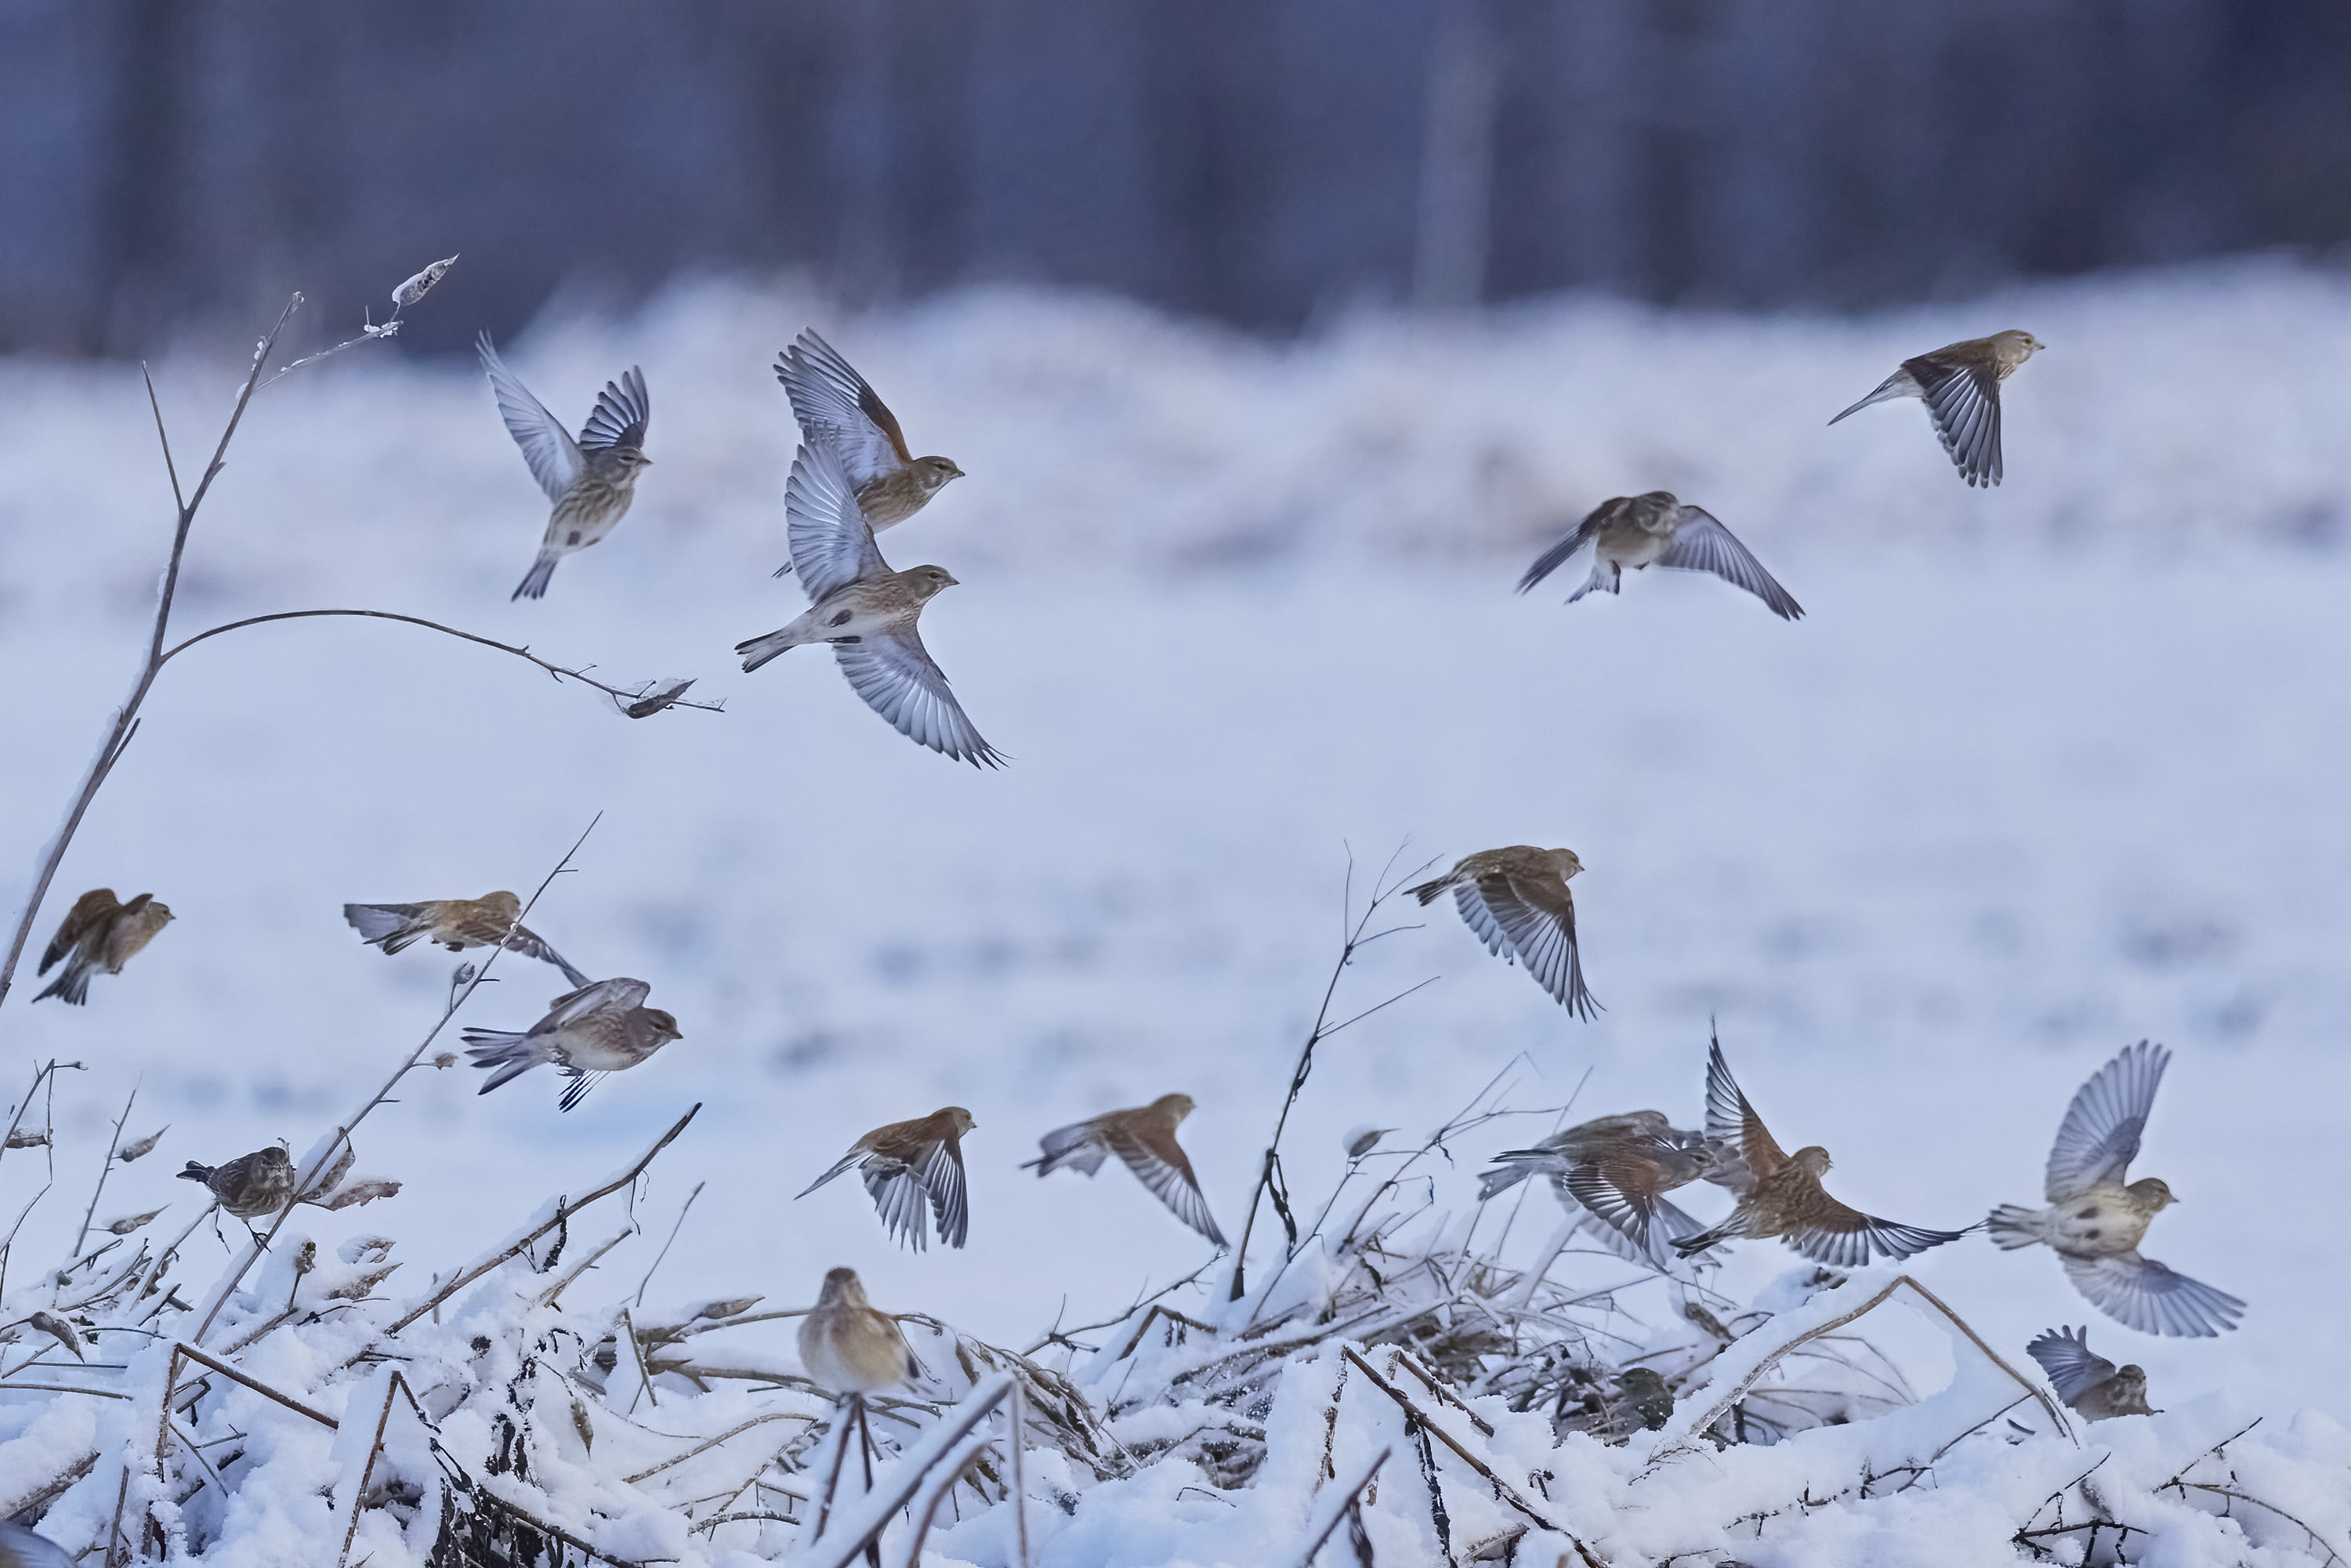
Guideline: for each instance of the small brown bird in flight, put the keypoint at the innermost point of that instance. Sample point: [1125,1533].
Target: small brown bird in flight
[250,1186]
[868,613]
[100,936]
[2093,1221]
[1515,900]
[597,1028]
[906,1163]
[1616,1169]
[1144,1137]
[1960,384]
[1655,529]
[849,1347]
[591,480]
[456,924]
[837,410]
[2096,1387]
[1784,1196]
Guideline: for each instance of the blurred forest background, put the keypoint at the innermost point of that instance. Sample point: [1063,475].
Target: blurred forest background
[173,162]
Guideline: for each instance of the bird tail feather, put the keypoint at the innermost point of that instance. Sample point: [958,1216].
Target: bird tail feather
[1605,575]
[72,984]
[759,650]
[511,1053]
[1513,1167]
[535,580]
[2012,1227]
[1898,384]
[390,926]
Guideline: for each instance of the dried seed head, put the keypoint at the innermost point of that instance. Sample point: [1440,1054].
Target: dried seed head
[418,287]
[363,1189]
[124,1225]
[365,1249]
[57,1329]
[1360,1141]
[139,1148]
[306,1257]
[657,697]
[445,1060]
[29,1138]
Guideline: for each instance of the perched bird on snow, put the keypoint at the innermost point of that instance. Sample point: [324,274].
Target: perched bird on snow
[848,1346]
[2096,1387]
[597,1028]
[867,611]
[837,410]
[1655,529]
[1960,384]
[23,1548]
[1784,1196]
[250,1186]
[1616,1169]
[100,936]
[591,480]
[905,1163]
[455,924]
[2093,1221]
[1144,1137]
[1515,900]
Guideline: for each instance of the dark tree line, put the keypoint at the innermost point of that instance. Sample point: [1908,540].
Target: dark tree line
[1253,160]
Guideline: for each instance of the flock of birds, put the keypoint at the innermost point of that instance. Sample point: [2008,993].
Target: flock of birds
[854,477]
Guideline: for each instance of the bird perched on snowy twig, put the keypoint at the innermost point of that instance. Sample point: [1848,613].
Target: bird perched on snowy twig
[837,410]
[1782,1195]
[2093,1221]
[100,936]
[2096,1387]
[1616,1169]
[847,1345]
[456,924]
[597,1028]
[907,1164]
[1515,900]
[591,480]
[1144,1137]
[1655,529]
[250,1186]
[1960,384]
[867,611]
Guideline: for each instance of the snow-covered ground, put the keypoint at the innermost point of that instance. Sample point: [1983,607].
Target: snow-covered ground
[2043,770]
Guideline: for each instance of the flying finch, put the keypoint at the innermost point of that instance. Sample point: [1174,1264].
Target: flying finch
[1960,384]
[591,480]
[1784,1197]
[455,924]
[867,611]
[98,936]
[2093,1221]
[906,1163]
[251,1186]
[2096,1387]
[1144,1137]
[1515,900]
[837,410]
[1616,1168]
[1655,529]
[847,1345]
[597,1028]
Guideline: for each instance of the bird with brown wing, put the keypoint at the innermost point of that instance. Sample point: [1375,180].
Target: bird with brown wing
[492,920]
[847,1345]
[906,1164]
[1960,384]
[1144,1137]
[591,480]
[1631,532]
[250,1186]
[1515,900]
[597,1028]
[1616,1170]
[2096,1387]
[1782,1195]
[836,409]
[97,936]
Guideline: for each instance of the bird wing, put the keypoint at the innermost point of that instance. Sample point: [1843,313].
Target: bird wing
[942,1178]
[554,457]
[1075,1146]
[90,913]
[1537,914]
[898,1192]
[2068,1362]
[1619,1191]
[836,409]
[2141,1294]
[531,945]
[1703,544]
[832,543]
[1834,1233]
[1159,1163]
[1479,919]
[623,411]
[1963,395]
[2099,1137]
[895,675]
[618,995]
[1731,1118]
[1551,560]
[577,1090]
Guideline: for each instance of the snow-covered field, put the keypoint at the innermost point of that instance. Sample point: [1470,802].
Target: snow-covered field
[2044,770]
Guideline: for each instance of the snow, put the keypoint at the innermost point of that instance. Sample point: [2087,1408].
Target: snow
[2044,770]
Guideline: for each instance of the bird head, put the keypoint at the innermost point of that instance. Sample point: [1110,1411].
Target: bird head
[2131,1376]
[931,473]
[662,1024]
[841,1288]
[924,581]
[1566,862]
[273,1158]
[630,458]
[500,905]
[2152,1194]
[1813,1160]
[2015,347]
[958,1118]
[161,914]
[1176,1106]
[1661,500]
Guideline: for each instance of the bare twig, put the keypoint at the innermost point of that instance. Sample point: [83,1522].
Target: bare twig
[104,1166]
[1337,1503]
[683,1209]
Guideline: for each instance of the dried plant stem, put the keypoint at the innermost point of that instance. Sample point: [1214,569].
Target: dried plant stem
[104,1168]
[1335,1507]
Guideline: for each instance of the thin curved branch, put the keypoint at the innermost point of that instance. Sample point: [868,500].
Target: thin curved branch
[559,671]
